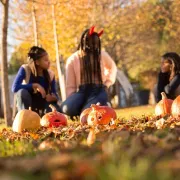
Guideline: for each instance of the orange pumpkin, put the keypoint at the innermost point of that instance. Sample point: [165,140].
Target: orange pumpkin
[164,106]
[53,119]
[26,120]
[100,115]
[175,109]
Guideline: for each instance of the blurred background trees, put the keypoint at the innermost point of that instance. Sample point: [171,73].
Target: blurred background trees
[136,33]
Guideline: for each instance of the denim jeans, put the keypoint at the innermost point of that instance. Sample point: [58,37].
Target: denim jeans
[25,99]
[88,94]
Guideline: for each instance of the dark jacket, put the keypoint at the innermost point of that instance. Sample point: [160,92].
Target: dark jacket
[171,88]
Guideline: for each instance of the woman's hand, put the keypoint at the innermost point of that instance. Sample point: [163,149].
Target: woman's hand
[40,89]
[51,97]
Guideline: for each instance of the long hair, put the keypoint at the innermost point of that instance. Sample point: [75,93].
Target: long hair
[174,59]
[35,53]
[90,57]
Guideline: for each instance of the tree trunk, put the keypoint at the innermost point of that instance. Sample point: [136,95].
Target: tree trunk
[58,58]
[4,66]
[35,30]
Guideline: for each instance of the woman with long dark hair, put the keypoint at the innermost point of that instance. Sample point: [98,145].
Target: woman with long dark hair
[169,76]
[34,85]
[89,72]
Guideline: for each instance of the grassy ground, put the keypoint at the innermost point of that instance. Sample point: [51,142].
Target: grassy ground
[138,111]
[134,149]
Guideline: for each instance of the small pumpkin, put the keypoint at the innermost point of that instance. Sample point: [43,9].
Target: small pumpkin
[100,115]
[163,107]
[53,119]
[26,119]
[175,109]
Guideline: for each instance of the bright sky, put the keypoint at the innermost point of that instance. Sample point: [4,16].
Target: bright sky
[11,42]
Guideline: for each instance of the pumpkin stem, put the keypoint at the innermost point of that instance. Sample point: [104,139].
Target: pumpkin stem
[52,107]
[163,95]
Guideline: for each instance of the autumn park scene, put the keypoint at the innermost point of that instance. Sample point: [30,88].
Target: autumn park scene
[89,89]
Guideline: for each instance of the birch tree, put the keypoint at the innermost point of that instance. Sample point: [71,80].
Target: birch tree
[4,64]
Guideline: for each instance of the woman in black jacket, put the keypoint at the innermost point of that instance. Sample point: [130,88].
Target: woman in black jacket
[169,76]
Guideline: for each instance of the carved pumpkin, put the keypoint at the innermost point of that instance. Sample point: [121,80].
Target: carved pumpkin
[84,115]
[164,106]
[26,119]
[53,119]
[100,115]
[175,109]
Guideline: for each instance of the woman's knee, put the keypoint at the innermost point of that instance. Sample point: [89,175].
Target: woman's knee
[23,96]
[73,104]
[67,109]
[23,99]
[23,93]
[70,109]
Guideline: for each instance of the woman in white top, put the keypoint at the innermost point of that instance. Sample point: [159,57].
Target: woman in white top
[89,72]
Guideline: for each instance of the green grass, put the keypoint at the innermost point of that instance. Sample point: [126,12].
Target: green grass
[138,111]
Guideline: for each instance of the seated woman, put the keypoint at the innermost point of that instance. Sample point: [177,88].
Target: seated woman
[169,76]
[34,85]
[89,72]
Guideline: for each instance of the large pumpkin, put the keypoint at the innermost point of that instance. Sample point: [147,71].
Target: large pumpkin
[163,107]
[26,119]
[53,119]
[175,109]
[100,115]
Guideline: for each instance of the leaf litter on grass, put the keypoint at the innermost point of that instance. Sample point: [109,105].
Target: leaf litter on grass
[125,149]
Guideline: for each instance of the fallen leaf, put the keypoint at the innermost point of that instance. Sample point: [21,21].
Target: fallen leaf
[159,123]
[91,137]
